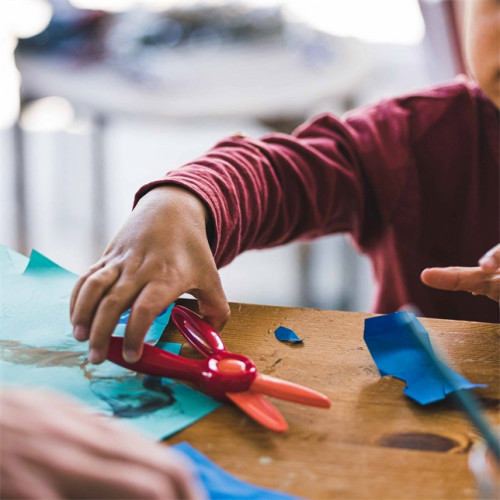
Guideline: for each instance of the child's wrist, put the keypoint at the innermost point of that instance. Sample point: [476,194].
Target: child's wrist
[173,198]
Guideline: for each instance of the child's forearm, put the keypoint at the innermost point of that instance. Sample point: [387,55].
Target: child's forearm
[263,193]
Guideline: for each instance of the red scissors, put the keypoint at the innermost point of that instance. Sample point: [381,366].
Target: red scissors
[222,374]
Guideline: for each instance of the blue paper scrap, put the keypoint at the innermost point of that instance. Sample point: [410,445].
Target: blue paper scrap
[396,352]
[38,349]
[155,330]
[286,335]
[221,485]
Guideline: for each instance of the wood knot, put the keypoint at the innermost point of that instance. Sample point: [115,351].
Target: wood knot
[423,441]
[490,403]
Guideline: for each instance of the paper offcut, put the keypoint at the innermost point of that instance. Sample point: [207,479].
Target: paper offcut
[396,352]
[221,485]
[286,335]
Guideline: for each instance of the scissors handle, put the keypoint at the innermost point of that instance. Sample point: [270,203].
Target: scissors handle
[197,332]
[215,375]
[155,361]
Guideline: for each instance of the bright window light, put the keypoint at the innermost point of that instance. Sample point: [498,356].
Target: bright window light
[18,19]
[48,115]
[123,5]
[9,83]
[109,5]
[376,21]
[24,18]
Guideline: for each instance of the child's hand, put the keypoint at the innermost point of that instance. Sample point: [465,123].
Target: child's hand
[161,252]
[482,280]
[52,448]
[490,261]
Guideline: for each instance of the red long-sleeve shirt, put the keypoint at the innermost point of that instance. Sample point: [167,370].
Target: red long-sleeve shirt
[414,180]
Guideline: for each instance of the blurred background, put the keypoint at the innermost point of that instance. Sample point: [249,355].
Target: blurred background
[98,97]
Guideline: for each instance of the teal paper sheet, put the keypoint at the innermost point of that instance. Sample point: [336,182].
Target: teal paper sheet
[38,349]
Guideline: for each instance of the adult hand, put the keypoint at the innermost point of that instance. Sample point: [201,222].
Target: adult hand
[481,280]
[161,252]
[52,448]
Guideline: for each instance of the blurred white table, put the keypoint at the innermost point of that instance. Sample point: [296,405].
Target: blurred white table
[264,81]
[269,82]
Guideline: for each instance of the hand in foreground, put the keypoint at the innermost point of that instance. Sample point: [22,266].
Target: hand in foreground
[161,252]
[51,448]
[481,280]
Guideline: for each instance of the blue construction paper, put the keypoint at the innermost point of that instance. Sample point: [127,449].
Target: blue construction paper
[37,348]
[286,335]
[396,352]
[221,485]
[155,330]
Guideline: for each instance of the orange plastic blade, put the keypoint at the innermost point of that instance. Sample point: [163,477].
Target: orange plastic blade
[278,388]
[260,409]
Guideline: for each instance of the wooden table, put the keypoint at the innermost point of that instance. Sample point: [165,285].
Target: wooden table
[374,442]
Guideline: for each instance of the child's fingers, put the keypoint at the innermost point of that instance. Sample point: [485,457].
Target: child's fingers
[74,294]
[468,279]
[109,309]
[212,303]
[86,297]
[79,283]
[452,278]
[490,261]
[152,300]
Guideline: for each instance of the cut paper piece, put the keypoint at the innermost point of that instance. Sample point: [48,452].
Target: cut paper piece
[35,305]
[466,399]
[286,335]
[221,485]
[37,300]
[11,261]
[37,349]
[173,347]
[155,330]
[397,352]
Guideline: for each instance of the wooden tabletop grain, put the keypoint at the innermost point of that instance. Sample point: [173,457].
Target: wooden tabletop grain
[373,442]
